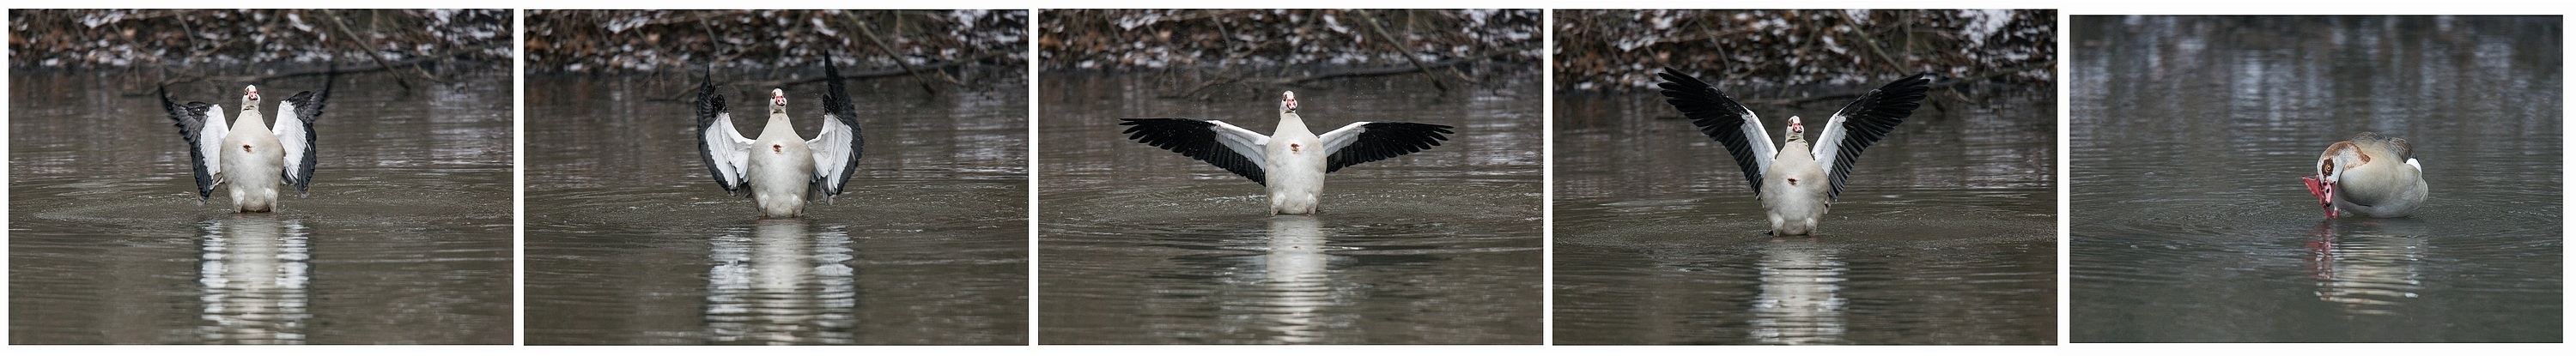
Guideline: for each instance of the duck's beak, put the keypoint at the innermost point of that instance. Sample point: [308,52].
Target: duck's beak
[2324,190]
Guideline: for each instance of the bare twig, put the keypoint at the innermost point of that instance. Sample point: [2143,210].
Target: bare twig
[888,50]
[1399,49]
[689,92]
[343,26]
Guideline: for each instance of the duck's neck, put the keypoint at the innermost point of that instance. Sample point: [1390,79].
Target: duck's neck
[1290,123]
[250,119]
[778,123]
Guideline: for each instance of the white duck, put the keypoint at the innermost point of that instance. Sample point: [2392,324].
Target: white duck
[1796,186]
[780,171]
[2373,175]
[1291,160]
[246,156]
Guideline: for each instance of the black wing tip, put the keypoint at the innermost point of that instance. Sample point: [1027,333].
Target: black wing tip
[1168,133]
[1675,80]
[710,101]
[836,96]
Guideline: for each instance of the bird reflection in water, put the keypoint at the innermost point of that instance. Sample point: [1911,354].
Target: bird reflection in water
[781,285]
[2364,268]
[1800,301]
[1294,286]
[253,269]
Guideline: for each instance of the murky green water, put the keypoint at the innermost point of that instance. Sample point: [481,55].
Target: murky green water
[1945,233]
[2190,223]
[1138,245]
[405,238]
[630,242]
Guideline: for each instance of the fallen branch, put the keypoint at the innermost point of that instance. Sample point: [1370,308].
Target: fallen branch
[1348,73]
[383,66]
[1938,84]
[866,30]
[690,93]
[1399,49]
[343,26]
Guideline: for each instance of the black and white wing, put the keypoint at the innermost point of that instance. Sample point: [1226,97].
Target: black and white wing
[1721,118]
[1215,142]
[295,119]
[836,150]
[726,152]
[203,126]
[1364,142]
[1863,122]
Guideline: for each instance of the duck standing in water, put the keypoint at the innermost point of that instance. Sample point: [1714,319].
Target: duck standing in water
[1796,185]
[2371,175]
[1290,161]
[249,158]
[779,170]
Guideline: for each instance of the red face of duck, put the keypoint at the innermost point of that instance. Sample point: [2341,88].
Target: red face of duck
[1287,102]
[2322,192]
[250,93]
[777,100]
[1797,131]
[2329,177]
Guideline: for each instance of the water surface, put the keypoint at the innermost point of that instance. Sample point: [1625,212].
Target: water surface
[1944,234]
[2190,223]
[405,237]
[1138,245]
[631,242]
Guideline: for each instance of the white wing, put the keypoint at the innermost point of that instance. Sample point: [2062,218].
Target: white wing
[1724,120]
[727,153]
[836,153]
[1200,139]
[836,149]
[202,125]
[293,136]
[1864,122]
[295,117]
[1244,142]
[210,140]
[1363,142]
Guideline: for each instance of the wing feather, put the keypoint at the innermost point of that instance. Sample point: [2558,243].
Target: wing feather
[295,132]
[836,149]
[1863,122]
[1364,142]
[1723,119]
[203,126]
[1215,142]
[726,153]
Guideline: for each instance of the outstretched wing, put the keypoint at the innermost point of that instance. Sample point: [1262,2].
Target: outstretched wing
[1215,142]
[1721,118]
[1364,142]
[202,125]
[836,150]
[726,153]
[1863,122]
[295,119]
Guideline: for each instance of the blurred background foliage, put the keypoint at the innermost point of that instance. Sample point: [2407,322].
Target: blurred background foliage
[92,39]
[1157,39]
[612,42]
[1619,50]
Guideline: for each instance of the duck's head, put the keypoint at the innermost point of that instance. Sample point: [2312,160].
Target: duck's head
[777,101]
[250,97]
[2331,165]
[1797,131]
[1288,102]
